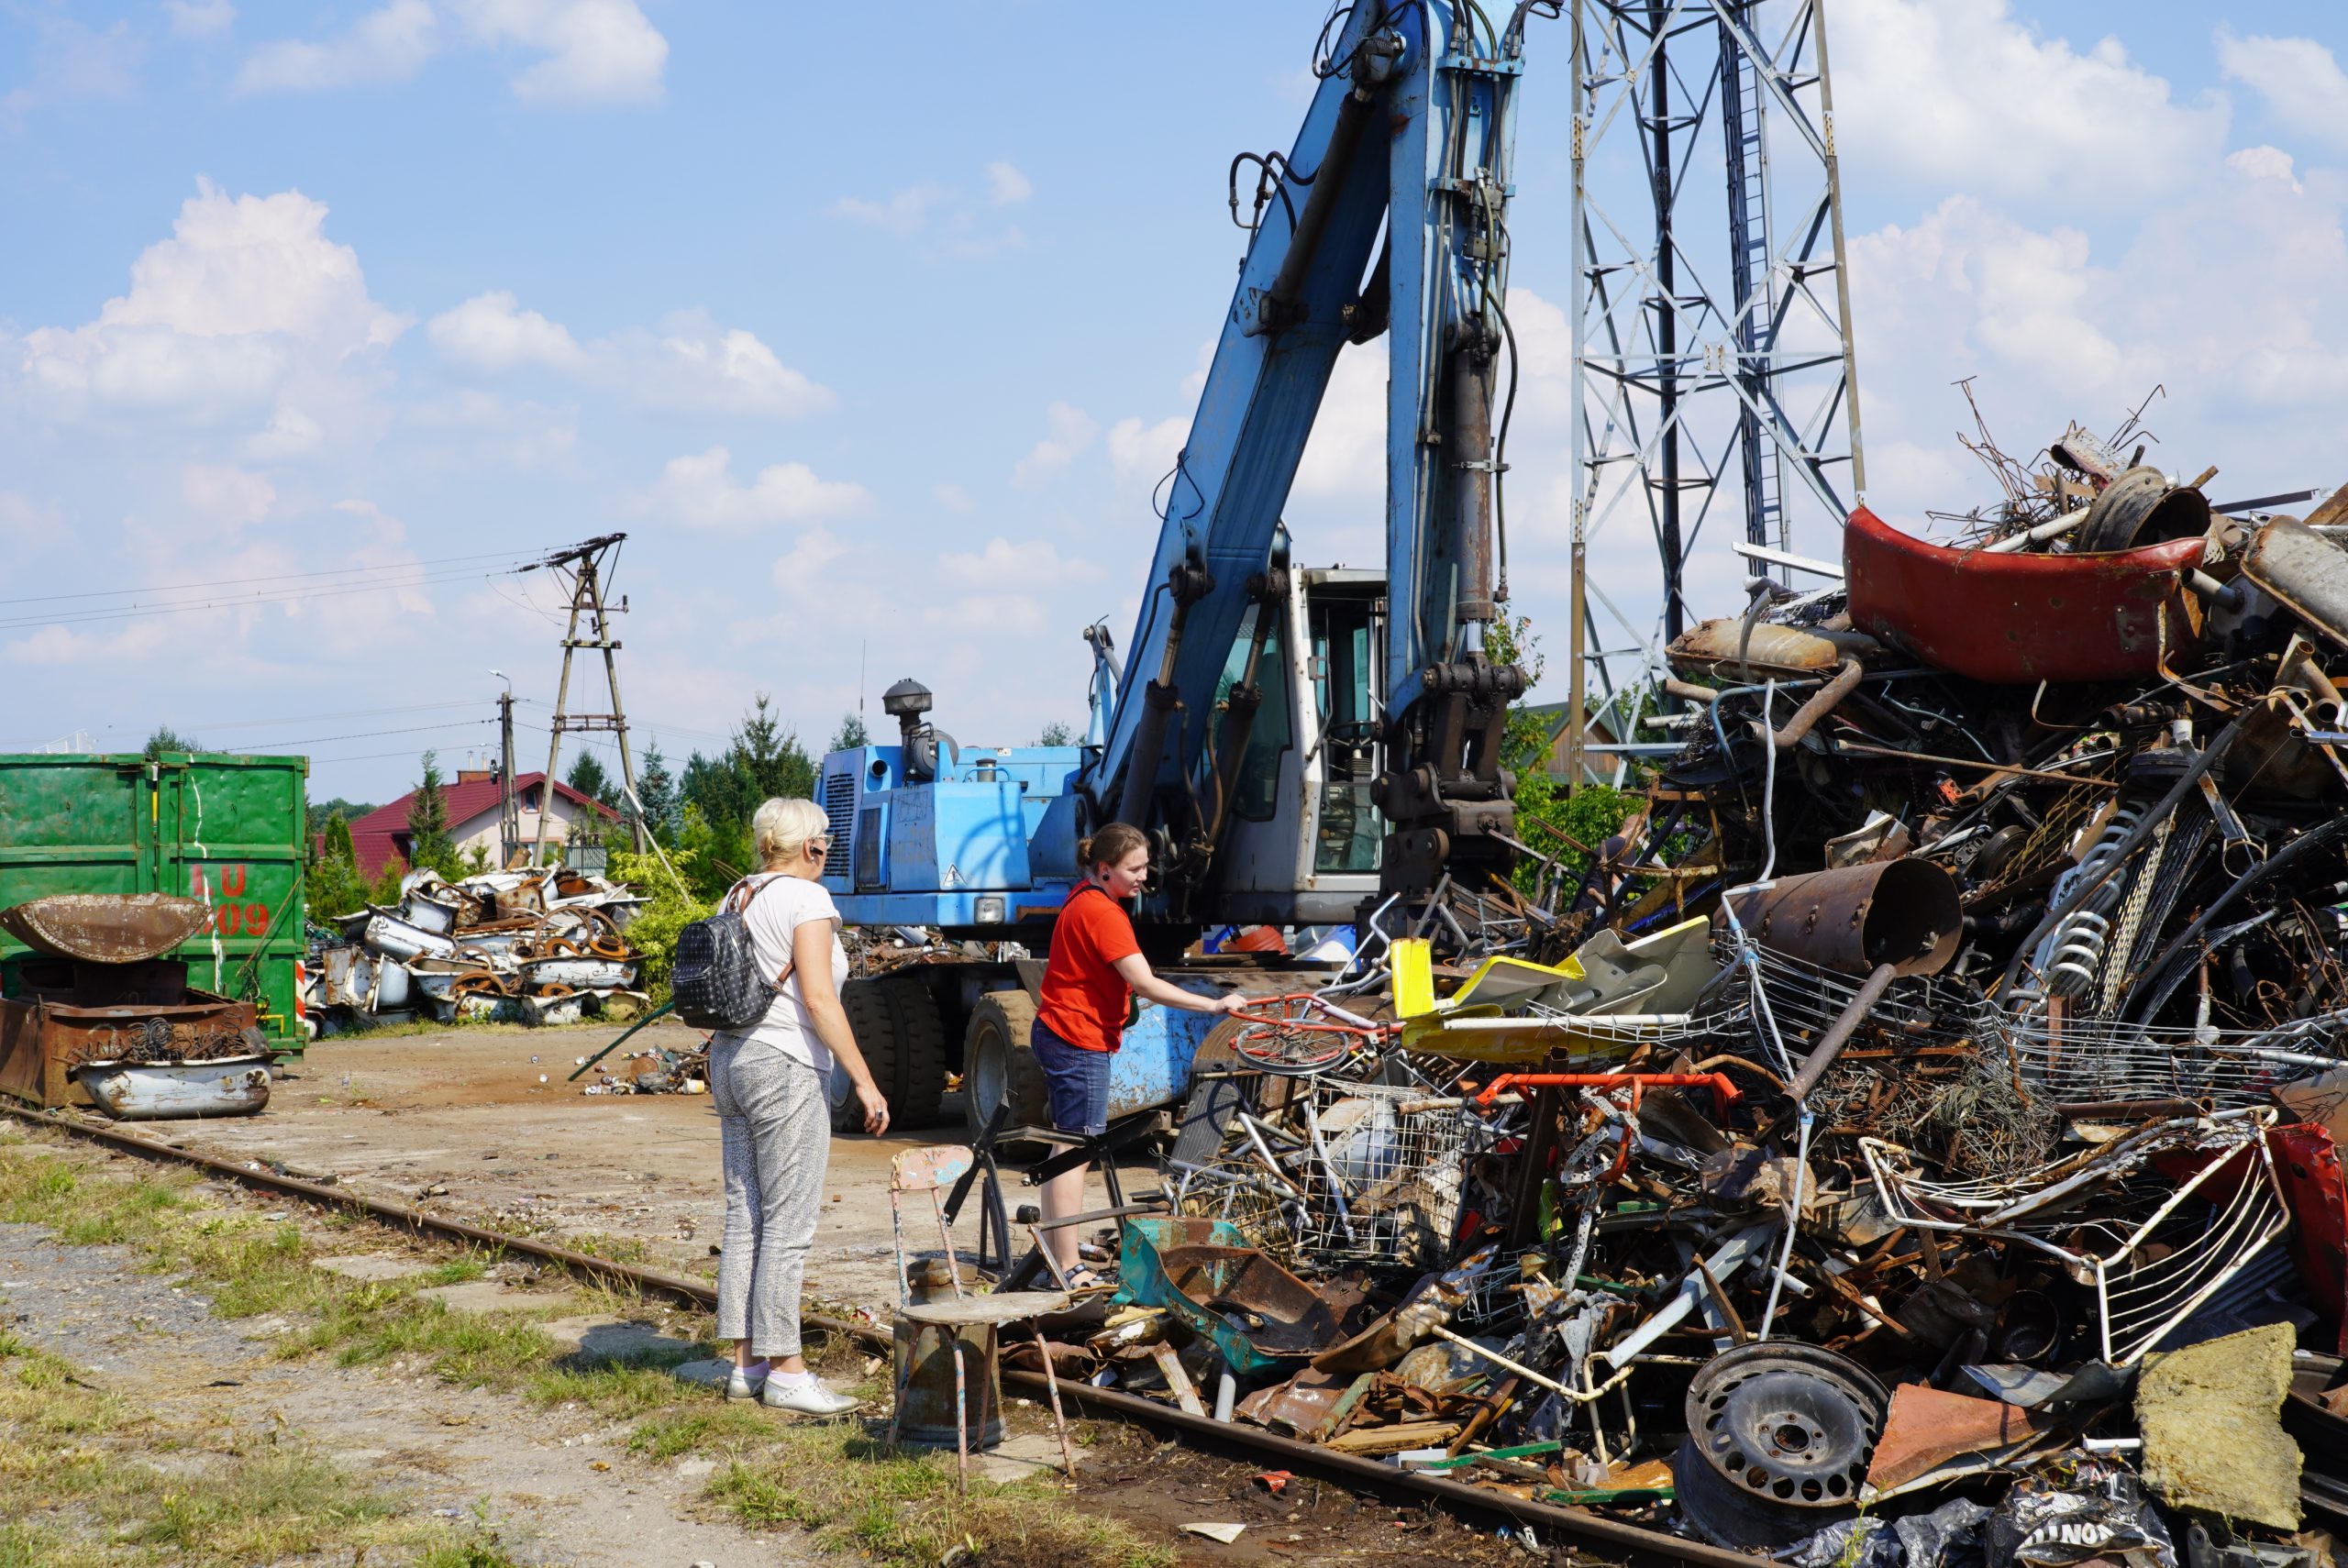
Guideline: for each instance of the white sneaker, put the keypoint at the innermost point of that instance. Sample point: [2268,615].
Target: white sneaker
[743,1383]
[806,1398]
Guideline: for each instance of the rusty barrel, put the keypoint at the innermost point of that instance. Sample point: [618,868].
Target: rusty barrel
[1905,914]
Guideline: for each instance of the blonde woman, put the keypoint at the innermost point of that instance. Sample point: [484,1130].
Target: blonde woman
[768,1087]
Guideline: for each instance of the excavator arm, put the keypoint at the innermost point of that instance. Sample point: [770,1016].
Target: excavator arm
[1388,216]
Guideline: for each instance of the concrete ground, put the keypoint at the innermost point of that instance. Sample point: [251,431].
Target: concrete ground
[460,1123]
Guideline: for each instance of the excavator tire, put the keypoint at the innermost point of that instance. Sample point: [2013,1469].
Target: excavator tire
[873,1022]
[919,1082]
[998,1059]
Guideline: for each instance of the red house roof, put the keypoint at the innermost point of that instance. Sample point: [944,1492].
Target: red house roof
[382,835]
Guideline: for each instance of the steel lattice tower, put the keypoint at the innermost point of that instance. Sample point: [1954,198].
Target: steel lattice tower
[1711,347]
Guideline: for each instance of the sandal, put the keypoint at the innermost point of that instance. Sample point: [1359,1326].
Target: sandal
[1081,1279]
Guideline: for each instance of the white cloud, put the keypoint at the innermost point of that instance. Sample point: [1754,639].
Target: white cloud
[246,298]
[389,44]
[998,586]
[479,429]
[1006,186]
[952,497]
[224,498]
[489,331]
[963,224]
[597,51]
[200,18]
[2266,163]
[2298,78]
[25,523]
[289,433]
[904,213]
[691,362]
[800,572]
[1071,432]
[698,491]
[73,61]
[1138,451]
[1963,95]
[2250,338]
[1346,454]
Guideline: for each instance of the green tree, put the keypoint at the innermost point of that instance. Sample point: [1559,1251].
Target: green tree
[769,757]
[1552,815]
[764,759]
[667,910]
[657,787]
[429,844]
[1056,734]
[850,735]
[166,738]
[335,886]
[589,777]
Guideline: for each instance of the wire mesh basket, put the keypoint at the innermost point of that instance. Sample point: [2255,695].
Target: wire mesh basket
[2075,1060]
[1385,1175]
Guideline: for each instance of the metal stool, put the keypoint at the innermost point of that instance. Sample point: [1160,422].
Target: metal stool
[954,1338]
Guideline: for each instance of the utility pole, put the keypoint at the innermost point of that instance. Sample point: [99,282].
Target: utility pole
[585,568]
[509,802]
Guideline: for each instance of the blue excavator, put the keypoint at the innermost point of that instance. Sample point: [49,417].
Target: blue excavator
[1304,745]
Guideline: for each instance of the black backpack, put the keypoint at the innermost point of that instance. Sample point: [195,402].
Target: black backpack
[715,982]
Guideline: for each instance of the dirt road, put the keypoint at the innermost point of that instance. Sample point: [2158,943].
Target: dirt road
[462,1124]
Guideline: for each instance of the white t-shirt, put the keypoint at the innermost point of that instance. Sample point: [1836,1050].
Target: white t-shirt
[778,906]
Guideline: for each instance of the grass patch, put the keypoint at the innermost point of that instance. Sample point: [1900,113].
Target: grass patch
[77,1503]
[901,1508]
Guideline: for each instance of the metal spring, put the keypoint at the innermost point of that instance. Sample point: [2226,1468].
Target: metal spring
[2072,955]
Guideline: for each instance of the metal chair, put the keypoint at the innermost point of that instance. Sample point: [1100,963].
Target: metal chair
[931,1171]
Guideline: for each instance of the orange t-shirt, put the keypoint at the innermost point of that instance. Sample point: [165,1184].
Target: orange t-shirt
[1084,998]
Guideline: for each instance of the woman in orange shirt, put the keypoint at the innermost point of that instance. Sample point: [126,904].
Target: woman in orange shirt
[1095,970]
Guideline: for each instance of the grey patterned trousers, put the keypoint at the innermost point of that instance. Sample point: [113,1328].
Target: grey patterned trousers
[774,1134]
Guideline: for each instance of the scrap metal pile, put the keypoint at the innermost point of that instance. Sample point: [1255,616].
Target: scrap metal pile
[1929,1145]
[539,945]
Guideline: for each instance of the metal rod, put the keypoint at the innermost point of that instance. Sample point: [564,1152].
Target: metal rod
[1838,1033]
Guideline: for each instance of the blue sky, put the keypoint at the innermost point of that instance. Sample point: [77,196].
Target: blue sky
[877,343]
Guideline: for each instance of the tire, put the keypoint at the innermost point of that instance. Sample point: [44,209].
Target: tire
[998,1058]
[873,1022]
[920,1079]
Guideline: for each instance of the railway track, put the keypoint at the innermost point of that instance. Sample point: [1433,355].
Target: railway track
[1607,1537]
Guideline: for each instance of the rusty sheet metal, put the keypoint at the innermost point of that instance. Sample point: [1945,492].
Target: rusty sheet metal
[2015,620]
[1904,912]
[1927,1429]
[42,1042]
[2305,570]
[105,928]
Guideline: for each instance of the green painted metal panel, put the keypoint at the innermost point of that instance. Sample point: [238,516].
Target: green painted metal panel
[228,830]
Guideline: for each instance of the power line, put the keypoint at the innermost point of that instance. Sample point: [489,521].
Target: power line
[362,735]
[434,562]
[248,600]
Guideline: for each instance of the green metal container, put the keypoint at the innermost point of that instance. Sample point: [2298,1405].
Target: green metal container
[228,830]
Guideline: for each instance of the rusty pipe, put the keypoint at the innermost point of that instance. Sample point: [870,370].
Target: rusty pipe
[1903,912]
[1822,702]
[1838,1033]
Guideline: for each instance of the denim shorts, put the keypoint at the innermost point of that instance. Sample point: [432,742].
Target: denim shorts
[1078,1082]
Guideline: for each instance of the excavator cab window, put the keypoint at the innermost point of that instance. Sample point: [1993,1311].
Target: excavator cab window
[1256,795]
[1345,651]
